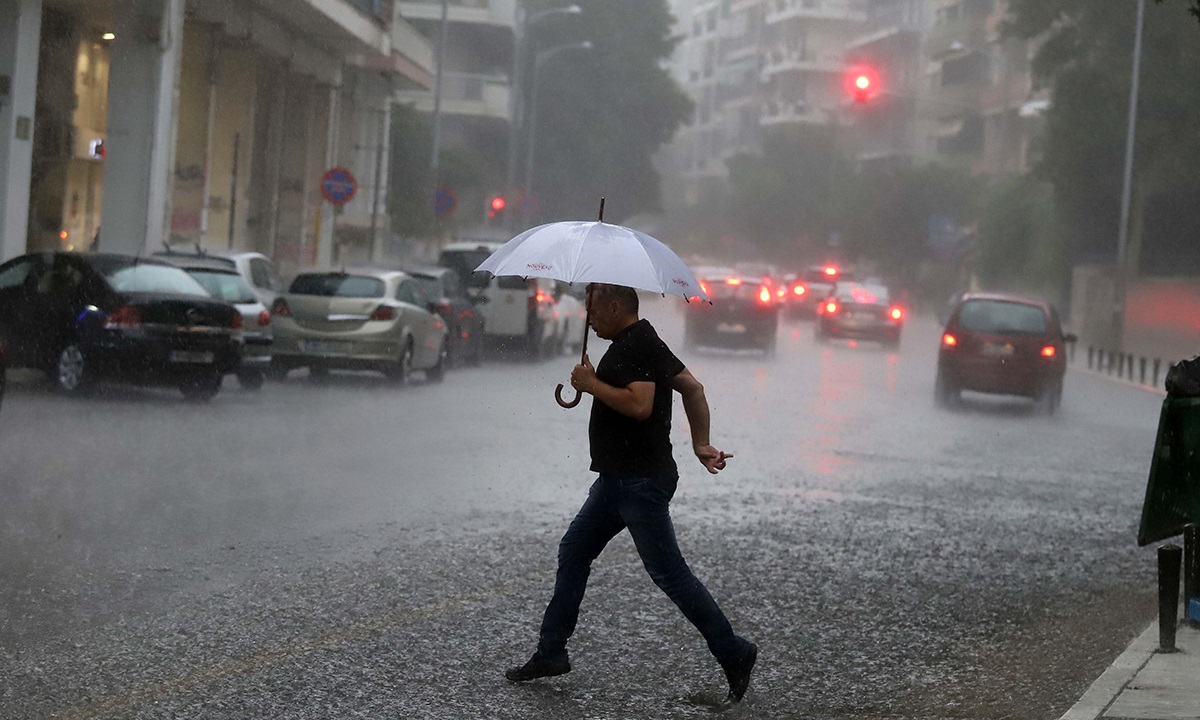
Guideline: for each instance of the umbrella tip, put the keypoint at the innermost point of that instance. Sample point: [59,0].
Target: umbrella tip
[601,208]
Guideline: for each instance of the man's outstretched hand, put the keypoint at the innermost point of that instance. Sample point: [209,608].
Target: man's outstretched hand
[713,459]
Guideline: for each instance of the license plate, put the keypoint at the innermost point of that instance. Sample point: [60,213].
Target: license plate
[998,349]
[188,356]
[327,347]
[731,328]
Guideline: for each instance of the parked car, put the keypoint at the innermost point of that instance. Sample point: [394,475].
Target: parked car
[1003,344]
[224,283]
[572,312]
[857,310]
[368,319]
[259,272]
[517,312]
[83,318]
[447,296]
[743,313]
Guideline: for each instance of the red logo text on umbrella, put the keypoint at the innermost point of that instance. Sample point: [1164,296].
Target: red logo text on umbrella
[539,266]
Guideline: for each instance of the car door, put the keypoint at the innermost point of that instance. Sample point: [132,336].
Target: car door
[53,306]
[426,328]
[18,278]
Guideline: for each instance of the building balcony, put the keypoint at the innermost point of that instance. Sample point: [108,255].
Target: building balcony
[501,13]
[903,21]
[466,94]
[829,10]
[780,60]
[354,26]
[783,112]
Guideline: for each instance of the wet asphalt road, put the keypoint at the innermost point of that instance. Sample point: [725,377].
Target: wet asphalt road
[352,549]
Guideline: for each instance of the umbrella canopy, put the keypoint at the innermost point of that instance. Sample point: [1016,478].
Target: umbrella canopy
[587,252]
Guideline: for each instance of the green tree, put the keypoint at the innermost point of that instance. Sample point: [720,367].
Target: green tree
[1016,247]
[1085,57]
[410,200]
[602,113]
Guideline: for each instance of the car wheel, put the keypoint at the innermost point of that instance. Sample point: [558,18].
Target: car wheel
[201,389]
[535,344]
[1050,397]
[437,373]
[251,379]
[476,358]
[945,392]
[398,371]
[318,373]
[71,373]
[277,371]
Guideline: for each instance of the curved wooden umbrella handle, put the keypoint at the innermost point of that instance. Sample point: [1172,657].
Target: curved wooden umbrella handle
[558,397]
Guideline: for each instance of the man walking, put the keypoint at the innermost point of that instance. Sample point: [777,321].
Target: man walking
[629,434]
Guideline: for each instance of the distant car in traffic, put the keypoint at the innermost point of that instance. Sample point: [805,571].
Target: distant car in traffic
[804,291]
[1002,344]
[572,313]
[83,318]
[860,311]
[444,290]
[367,319]
[744,313]
[225,283]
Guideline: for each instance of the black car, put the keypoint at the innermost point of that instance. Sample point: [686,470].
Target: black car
[447,296]
[744,312]
[88,317]
[860,311]
[3,371]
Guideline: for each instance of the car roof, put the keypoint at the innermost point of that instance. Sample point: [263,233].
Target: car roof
[420,270]
[1005,297]
[199,262]
[381,273]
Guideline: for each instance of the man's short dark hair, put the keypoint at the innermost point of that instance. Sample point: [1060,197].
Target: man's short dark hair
[626,297]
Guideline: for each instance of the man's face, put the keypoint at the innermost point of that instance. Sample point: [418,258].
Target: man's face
[604,313]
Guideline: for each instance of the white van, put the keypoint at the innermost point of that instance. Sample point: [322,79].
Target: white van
[518,313]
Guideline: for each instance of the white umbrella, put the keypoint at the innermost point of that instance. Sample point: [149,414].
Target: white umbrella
[588,252]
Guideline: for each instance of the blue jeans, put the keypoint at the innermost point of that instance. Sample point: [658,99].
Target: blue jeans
[640,504]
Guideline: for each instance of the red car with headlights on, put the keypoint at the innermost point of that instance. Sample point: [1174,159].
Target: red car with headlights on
[1002,344]
[860,311]
[744,312]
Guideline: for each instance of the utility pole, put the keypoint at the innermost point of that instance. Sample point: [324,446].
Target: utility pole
[1122,259]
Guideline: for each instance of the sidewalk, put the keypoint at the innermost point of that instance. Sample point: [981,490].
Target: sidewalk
[1146,684]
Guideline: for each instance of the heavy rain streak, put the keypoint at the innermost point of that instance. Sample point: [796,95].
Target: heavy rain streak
[869,437]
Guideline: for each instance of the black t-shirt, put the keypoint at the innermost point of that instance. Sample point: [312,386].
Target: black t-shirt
[620,444]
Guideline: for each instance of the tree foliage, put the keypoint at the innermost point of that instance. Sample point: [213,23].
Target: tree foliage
[603,112]
[1086,58]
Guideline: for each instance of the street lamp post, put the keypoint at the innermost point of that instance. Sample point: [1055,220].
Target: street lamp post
[1122,260]
[538,61]
[525,23]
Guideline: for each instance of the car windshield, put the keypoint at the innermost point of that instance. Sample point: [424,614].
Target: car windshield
[733,287]
[226,286]
[428,286]
[1002,317]
[151,278]
[863,294]
[338,285]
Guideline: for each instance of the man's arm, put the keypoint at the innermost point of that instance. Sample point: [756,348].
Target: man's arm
[695,405]
[635,400]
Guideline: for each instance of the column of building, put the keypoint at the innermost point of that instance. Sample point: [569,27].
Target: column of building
[20,28]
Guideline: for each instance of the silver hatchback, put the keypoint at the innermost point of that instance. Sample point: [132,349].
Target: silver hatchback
[366,319]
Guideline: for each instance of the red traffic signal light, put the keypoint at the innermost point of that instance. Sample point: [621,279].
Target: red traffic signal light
[862,83]
[496,205]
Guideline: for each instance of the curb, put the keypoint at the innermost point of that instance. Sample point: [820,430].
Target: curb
[1120,381]
[1105,690]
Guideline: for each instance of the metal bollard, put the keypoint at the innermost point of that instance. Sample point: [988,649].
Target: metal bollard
[1142,370]
[1191,569]
[1169,557]
[1112,360]
[1131,367]
[1091,351]
[1120,365]
[1157,367]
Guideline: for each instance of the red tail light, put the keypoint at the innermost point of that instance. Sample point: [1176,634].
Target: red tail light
[799,290]
[280,308]
[831,307]
[764,294]
[123,318]
[896,313]
[733,281]
[237,320]
[264,318]
[383,313]
[949,340]
[1048,351]
[442,308]
[831,271]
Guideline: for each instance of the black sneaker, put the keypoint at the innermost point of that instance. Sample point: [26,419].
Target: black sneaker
[539,667]
[738,672]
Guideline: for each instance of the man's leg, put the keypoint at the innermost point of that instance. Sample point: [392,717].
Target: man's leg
[594,525]
[645,508]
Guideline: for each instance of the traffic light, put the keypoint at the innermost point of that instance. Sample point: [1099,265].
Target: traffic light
[862,83]
[496,206]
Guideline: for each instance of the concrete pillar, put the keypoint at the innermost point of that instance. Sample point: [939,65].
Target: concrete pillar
[327,219]
[142,113]
[20,32]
